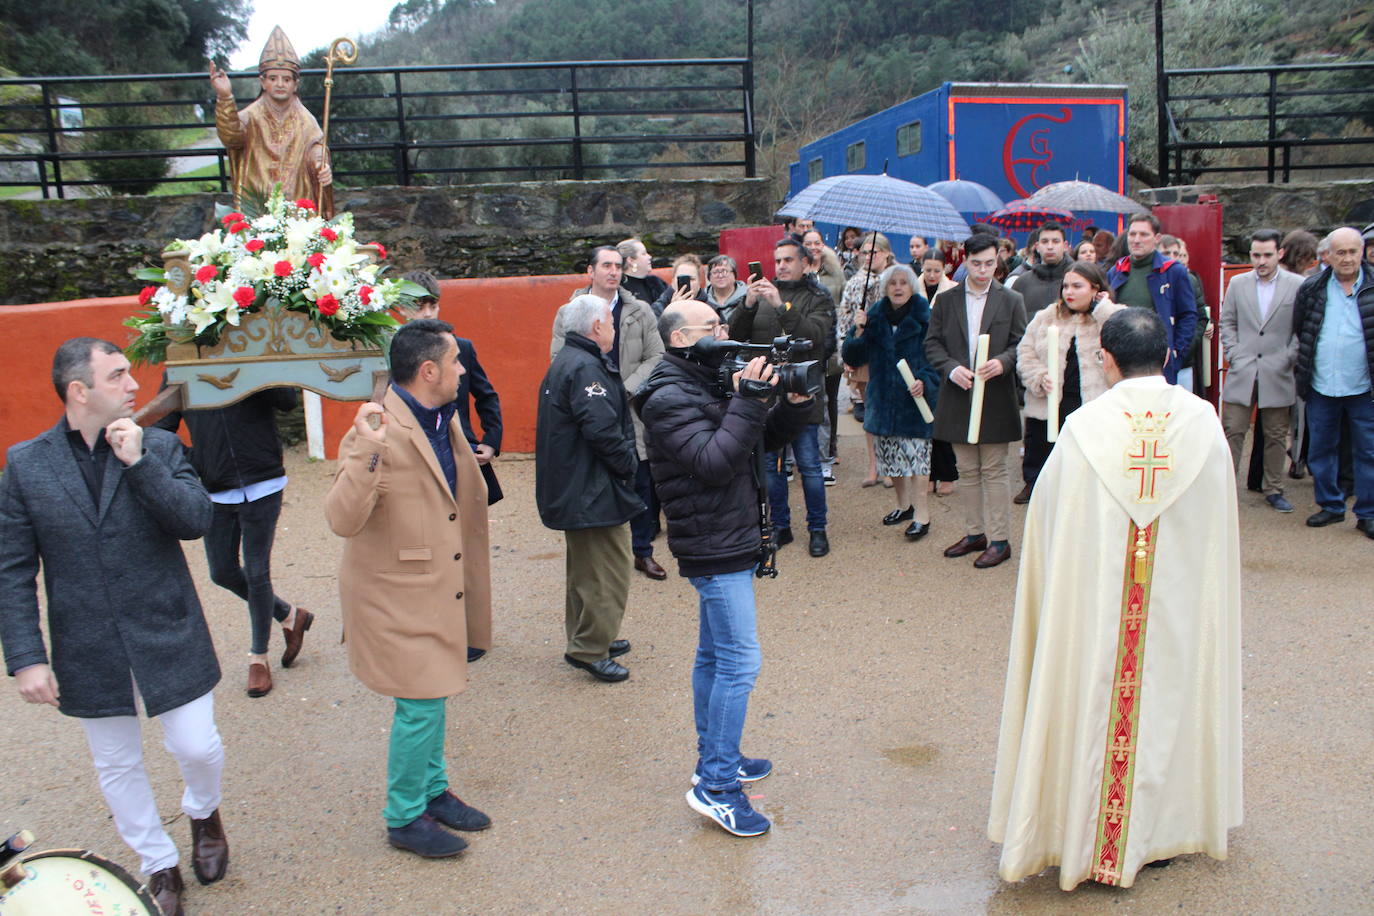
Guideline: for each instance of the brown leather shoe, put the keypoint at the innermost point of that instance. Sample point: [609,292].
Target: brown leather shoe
[1024,496]
[649,566]
[992,556]
[209,849]
[295,636]
[166,887]
[259,680]
[966,545]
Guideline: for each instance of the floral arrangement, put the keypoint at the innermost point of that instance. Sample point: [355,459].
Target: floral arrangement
[289,256]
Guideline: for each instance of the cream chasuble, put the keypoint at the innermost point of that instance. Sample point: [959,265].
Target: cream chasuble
[1120,739]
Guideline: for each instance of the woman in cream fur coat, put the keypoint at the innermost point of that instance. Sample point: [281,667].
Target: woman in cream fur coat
[1078,313]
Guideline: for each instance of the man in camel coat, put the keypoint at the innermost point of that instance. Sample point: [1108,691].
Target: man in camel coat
[414,583]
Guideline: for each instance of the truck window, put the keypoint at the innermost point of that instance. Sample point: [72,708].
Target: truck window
[854,157]
[815,170]
[909,138]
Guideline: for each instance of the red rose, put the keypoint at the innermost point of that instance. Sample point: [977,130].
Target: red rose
[365,294]
[305,203]
[330,234]
[253,246]
[207,273]
[145,295]
[245,296]
[238,227]
[316,259]
[381,250]
[231,218]
[327,304]
[282,268]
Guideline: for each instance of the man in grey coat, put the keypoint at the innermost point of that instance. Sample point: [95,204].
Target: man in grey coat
[1257,336]
[102,505]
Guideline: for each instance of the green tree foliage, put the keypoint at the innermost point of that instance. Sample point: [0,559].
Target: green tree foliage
[73,37]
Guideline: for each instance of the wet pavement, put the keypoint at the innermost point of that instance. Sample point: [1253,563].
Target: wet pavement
[878,702]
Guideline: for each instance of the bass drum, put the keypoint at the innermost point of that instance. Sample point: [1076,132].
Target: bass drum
[62,881]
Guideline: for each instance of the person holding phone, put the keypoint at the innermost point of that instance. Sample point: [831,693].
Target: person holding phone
[686,282]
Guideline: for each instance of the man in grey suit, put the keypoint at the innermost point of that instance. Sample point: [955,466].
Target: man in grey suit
[1257,336]
[979,305]
[102,505]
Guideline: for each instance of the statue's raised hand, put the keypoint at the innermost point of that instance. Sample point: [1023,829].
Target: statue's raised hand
[219,80]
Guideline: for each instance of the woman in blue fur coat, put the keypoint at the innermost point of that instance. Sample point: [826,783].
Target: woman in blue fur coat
[895,329]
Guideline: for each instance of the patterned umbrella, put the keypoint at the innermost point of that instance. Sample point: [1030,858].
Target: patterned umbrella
[968,197]
[1083,195]
[1023,216]
[880,203]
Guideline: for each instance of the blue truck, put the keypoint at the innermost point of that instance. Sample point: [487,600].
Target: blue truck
[1012,137]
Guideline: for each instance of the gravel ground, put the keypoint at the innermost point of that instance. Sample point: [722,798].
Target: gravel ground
[879,703]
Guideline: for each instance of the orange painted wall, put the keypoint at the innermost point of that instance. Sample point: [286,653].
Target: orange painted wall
[508,319]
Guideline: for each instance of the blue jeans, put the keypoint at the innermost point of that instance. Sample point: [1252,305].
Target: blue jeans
[644,526]
[806,450]
[727,665]
[1324,436]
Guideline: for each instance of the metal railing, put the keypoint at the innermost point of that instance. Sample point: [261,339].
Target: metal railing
[1274,112]
[423,124]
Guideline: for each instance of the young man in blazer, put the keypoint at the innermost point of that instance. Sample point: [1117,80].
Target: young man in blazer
[1257,335]
[103,505]
[979,305]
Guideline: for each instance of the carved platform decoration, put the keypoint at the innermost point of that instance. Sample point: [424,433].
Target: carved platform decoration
[273,348]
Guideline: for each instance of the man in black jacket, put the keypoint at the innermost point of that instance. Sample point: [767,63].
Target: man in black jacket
[705,449]
[237,453]
[791,305]
[584,476]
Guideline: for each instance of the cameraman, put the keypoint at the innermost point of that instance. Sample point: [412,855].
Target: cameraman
[790,305]
[705,451]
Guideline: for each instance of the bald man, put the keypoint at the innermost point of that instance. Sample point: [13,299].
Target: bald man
[1333,319]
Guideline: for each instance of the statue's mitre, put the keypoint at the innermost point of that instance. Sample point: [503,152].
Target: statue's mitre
[278,54]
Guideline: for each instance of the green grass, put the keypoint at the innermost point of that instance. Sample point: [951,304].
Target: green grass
[210,171]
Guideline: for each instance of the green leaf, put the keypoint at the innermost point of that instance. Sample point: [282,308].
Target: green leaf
[151,273]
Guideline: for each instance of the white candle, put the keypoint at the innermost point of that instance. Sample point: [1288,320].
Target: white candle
[1052,341]
[975,417]
[910,380]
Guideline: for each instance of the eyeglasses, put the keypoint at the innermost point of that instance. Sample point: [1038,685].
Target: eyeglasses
[715,327]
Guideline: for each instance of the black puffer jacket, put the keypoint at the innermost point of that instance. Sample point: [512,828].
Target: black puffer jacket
[235,446]
[807,311]
[1309,310]
[584,446]
[704,451]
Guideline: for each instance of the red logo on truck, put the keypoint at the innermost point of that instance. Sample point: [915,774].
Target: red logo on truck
[1035,153]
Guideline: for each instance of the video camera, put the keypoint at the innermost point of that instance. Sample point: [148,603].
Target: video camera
[730,356]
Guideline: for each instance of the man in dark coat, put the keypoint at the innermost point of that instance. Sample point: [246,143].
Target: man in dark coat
[101,504]
[584,483]
[1333,319]
[979,305]
[705,449]
[791,305]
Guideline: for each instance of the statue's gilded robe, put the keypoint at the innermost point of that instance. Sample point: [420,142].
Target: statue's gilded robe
[266,148]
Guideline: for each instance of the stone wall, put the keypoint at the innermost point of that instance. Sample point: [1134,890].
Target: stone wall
[1315,206]
[71,249]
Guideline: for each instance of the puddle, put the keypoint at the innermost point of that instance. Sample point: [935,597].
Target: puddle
[913,754]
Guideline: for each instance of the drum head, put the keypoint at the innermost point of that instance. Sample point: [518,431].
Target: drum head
[75,881]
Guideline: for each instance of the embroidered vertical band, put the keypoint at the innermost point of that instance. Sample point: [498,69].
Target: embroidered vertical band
[1123,720]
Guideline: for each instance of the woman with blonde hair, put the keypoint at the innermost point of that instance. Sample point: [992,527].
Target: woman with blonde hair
[1084,304]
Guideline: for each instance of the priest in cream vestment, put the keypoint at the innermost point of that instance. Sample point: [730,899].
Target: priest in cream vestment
[1120,740]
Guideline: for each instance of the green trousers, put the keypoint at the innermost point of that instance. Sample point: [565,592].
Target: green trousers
[598,584]
[415,770]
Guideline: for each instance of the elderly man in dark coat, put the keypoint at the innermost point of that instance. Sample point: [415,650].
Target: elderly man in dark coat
[584,483]
[979,305]
[102,504]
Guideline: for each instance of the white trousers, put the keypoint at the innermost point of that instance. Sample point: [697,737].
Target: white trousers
[190,735]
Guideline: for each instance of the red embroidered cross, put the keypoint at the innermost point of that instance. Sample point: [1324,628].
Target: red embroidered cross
[1149,460]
